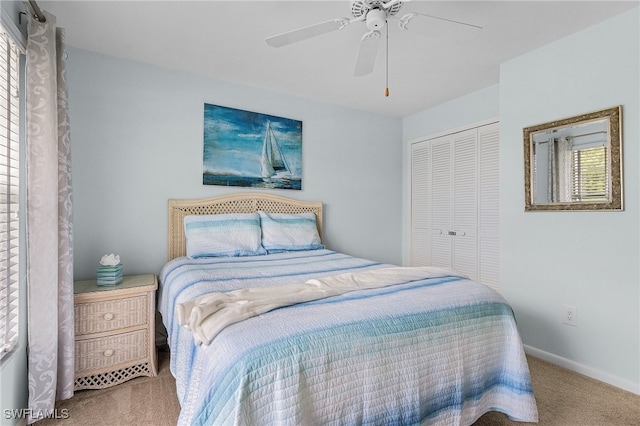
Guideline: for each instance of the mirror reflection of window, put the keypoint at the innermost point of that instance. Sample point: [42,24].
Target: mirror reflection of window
[575,163]
[590,172]
[570,164]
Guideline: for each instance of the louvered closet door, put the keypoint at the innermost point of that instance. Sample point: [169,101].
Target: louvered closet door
[441,202]
[420,254]
[465,203]
[455,203]
[489,204]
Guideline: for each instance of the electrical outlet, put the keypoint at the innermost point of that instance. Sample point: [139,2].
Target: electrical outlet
[570,315]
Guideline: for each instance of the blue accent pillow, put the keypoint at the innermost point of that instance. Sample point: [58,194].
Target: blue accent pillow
[234,234]
[289,232]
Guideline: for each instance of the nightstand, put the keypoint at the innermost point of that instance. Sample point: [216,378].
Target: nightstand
[114,331]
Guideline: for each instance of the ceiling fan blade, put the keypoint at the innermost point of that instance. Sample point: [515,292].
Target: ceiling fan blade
[307,32]
[367,53]
[440,28]
[391,3]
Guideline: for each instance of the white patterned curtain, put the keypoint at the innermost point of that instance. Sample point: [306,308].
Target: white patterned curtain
[49,225]
[559,170]
[565,168]
[552,169]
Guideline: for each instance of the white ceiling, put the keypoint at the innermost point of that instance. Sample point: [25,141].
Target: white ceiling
[225,40]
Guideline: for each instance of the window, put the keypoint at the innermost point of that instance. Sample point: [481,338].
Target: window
[9,191]
[590,180]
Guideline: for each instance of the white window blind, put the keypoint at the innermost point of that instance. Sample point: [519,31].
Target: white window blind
[590,174]
[9,191]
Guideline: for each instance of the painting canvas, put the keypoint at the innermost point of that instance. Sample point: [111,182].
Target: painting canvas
[244,148]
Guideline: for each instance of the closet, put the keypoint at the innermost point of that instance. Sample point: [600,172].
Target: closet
[455,202]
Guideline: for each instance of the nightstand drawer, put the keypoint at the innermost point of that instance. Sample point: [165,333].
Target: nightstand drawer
[108,315]
[95,354]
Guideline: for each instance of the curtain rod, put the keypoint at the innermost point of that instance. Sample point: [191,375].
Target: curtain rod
[600,132]
[37,13]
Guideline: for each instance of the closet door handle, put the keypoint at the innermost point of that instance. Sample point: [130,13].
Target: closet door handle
[452,232]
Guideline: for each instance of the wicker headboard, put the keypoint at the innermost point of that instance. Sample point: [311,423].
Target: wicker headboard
[234,203]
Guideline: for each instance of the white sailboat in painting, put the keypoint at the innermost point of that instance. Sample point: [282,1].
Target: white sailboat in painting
[273,163]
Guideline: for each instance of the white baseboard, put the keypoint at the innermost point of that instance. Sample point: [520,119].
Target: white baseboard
[583,369]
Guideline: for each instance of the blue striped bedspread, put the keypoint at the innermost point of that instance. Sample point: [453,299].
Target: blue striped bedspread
[437,351]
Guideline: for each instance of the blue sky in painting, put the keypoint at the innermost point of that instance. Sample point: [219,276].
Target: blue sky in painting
[233,141]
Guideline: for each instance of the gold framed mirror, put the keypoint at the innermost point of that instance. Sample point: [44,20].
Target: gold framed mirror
[575,163]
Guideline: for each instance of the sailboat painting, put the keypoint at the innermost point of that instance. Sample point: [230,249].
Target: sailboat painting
[250,149]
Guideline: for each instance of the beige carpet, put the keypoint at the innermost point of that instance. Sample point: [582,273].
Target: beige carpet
[564,399]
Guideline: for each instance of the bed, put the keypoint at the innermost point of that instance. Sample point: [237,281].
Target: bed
[432,349]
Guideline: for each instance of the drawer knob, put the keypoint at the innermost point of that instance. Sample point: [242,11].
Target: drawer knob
[108,316]
[108,352]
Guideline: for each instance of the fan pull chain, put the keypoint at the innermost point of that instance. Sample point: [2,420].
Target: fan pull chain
[386,91]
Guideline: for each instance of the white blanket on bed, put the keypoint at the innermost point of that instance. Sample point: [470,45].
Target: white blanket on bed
[207,315]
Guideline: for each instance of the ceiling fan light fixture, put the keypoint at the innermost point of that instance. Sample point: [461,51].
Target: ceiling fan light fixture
[376,18]
[374,14]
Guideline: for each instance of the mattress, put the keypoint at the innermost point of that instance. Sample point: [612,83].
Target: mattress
[435,351]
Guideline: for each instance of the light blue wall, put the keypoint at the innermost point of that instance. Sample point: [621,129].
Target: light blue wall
[586,259]
[137,141]
[472,108]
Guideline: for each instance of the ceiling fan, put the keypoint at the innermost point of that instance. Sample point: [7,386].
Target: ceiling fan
[376,15]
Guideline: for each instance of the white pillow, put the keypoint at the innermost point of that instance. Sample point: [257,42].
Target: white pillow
[234,234]
[285,232]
